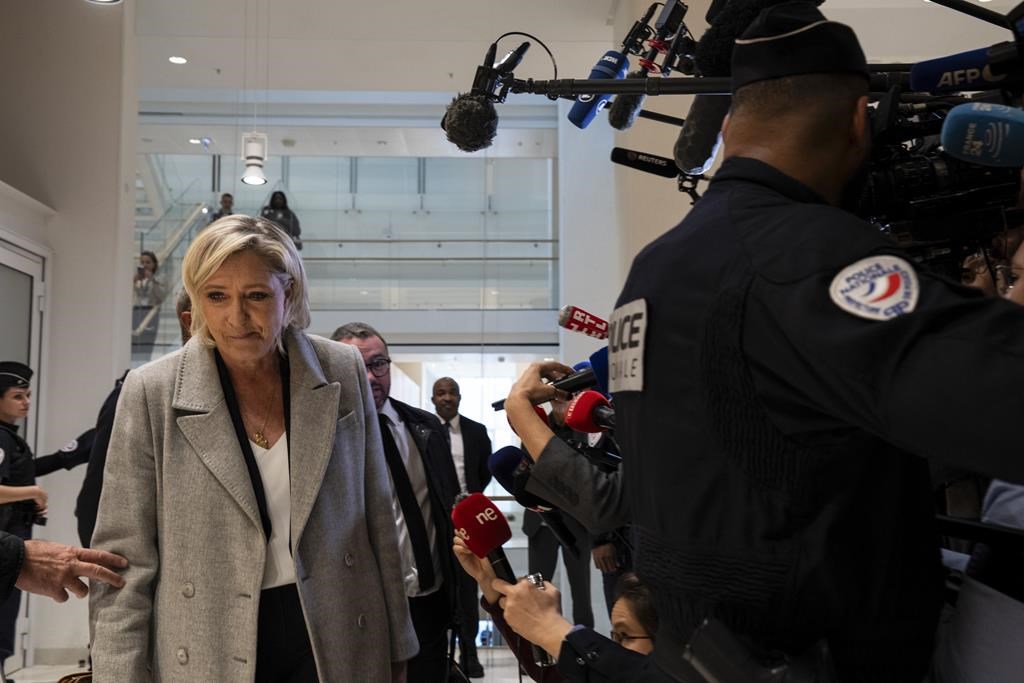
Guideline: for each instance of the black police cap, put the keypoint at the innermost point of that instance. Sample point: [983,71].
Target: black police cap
[14,374]
[794,39]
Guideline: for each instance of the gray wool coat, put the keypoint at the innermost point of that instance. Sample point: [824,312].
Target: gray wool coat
[178,503]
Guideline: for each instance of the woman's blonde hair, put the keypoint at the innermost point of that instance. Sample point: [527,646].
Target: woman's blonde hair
[232,235]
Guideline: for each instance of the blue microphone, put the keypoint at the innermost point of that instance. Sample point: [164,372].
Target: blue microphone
[613,64]
[985,134]
[986,68]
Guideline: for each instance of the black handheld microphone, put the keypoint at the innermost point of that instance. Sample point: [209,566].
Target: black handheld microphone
[570,384]
[648,163]
[470,122]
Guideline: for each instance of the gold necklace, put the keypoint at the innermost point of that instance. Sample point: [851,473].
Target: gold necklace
[259,437]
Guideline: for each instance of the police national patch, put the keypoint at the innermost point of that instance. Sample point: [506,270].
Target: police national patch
[70,446]
[2,455]
[877,288]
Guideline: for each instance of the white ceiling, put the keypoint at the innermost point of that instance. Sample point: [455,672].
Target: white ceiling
[390,66]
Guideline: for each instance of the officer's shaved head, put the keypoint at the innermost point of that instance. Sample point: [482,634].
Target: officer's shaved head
[811,107]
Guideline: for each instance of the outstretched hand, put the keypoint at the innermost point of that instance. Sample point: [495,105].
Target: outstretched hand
[477,567]
[53,569]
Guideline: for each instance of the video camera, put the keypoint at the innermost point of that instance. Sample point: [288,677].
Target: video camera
[938,207]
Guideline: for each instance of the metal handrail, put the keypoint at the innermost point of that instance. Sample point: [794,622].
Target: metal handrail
[171,207]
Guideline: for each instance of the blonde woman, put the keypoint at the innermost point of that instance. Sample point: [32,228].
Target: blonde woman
[246,485]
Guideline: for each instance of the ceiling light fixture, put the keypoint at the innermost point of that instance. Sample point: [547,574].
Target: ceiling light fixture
[195,141]
[104,2]
[174,59]
[254,153]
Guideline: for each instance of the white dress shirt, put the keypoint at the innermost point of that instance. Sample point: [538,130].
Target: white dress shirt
[279,569]
[413,462]
[458,450]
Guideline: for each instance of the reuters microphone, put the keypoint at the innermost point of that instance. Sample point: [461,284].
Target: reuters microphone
[576,319]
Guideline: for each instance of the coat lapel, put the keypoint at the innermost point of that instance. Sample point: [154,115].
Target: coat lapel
[208,428]
[314,423]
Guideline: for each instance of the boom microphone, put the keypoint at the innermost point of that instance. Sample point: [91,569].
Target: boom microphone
[590,412]
[648,163]
[985,134]
[986,68]
[613,64]
[577,320]
[625,108]
[470,122]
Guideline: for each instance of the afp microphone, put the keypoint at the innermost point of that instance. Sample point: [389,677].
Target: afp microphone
[986,68]
[576,319]
[613,64]
[590,412]
[985,134]
[470,122]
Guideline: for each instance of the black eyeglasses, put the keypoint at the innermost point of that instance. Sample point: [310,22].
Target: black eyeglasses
[379,366]
[621,638]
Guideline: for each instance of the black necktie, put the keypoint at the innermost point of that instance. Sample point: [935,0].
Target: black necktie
[410,508]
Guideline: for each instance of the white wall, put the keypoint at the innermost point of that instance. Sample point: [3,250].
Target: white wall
[68,125]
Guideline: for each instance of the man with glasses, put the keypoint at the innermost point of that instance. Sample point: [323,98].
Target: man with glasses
[425,485]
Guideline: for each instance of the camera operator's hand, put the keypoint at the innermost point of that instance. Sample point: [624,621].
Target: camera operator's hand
[533,613]
[478,568]
[530,389]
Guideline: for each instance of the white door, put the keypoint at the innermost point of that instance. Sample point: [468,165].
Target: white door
[21,318]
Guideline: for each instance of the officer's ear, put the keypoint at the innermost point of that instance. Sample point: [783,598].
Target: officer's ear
[725,124]
[860,125]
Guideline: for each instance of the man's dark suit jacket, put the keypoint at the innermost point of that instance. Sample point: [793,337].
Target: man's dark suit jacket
[476,449]
[442,481]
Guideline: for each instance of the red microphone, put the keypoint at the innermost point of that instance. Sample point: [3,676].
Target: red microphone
[484,529]
[590,412]
[578,320]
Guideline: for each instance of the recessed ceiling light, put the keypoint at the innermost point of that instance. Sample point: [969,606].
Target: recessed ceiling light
[104,2]
[194,141]
[174,59]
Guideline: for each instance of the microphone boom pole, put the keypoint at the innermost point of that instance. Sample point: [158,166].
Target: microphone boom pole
[573,87]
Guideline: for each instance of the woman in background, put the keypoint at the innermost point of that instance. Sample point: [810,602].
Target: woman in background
[279,213]
[148,293]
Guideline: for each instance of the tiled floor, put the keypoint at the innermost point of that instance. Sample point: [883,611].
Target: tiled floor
[499,667]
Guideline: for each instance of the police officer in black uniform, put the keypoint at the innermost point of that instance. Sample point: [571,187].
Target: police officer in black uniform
[24,501]
[781,372]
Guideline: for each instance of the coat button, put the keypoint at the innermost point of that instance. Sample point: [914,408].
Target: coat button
[188,590]
[182,655]
[361,621]
[349,560]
